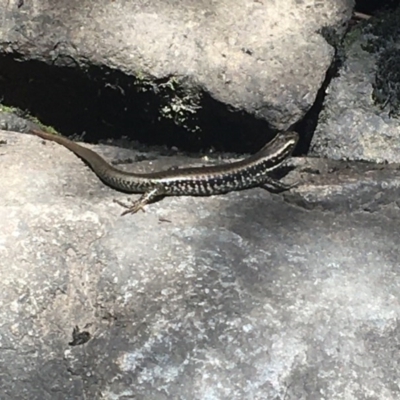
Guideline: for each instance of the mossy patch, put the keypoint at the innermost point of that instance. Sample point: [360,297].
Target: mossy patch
[383,35]
[25,115]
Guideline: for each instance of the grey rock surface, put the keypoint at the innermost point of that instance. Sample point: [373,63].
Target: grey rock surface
[266,58]
[345,186]
[353,125]
[242,296]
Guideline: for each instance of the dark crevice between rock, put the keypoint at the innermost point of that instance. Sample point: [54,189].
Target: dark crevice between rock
[104,103]
[308,124]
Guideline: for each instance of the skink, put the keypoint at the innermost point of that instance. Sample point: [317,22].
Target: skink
[195,181]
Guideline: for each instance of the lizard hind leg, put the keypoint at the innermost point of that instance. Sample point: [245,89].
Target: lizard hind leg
[276,186]
[137,205]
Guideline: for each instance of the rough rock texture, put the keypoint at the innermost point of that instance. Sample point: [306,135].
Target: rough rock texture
[345,186]
[264,57]
[238,297]
[360,117]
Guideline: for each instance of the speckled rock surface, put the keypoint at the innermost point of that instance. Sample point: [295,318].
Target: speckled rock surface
[243,296]
[260,58]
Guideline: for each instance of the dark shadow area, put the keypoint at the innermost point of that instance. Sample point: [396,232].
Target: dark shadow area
[104,103]
[373,6]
